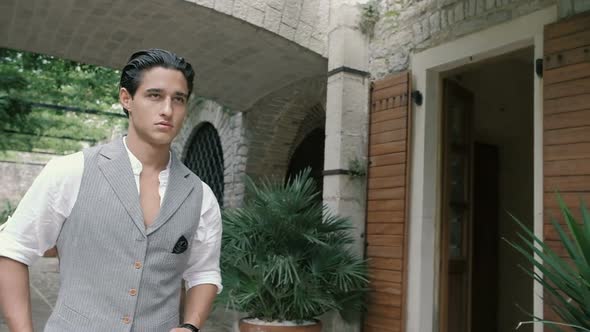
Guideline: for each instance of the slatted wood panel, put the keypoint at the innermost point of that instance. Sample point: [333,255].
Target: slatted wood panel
[387,202]
[566,138]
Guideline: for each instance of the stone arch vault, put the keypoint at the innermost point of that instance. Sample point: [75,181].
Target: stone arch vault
[242,50]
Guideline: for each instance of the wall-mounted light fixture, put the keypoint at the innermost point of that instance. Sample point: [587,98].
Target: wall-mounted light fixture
[417,97]
[539,67]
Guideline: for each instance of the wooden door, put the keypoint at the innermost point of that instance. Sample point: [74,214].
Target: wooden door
[456,209]
[388,183]
[566,123]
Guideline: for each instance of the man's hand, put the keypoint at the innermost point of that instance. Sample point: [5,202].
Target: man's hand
[15,302]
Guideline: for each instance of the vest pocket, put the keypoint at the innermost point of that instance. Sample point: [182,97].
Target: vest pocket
[172,320]
[72,316]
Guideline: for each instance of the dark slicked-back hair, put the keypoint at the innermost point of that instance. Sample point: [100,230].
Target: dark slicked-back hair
[140,61]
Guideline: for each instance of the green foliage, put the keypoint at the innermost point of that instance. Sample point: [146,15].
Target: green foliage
[369,17]
[357,168]
[27,78]
[6,211]
[286,257]
[12,110]
[566,283]
[391,13]
[62,82]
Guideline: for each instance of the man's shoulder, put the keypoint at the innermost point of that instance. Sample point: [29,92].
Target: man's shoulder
[72,164]
[62,170]
[67,162]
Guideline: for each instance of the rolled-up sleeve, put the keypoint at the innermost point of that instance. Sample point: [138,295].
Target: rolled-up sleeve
[203,263]
[36,223]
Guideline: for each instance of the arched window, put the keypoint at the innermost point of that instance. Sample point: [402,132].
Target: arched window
[204,157]
[310,153]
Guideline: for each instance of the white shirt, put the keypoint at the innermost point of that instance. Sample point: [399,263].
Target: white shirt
[37,221]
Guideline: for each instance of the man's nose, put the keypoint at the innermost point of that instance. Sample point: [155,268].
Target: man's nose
[166,107]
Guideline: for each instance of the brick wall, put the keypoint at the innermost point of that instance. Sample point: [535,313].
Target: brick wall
[410,26]
[273,125]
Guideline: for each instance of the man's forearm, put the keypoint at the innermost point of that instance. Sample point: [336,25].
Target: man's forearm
[198,302]
[15,303]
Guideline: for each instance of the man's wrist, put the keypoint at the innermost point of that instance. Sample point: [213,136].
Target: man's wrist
[189,327]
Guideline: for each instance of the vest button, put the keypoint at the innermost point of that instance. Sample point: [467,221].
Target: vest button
[138,265]
[126,320]
[133,292]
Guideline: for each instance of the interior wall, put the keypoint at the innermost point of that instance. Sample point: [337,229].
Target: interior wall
[503,117]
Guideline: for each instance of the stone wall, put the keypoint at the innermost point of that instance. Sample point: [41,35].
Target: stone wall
[571,7]
[231,133]
[410,26]
[18,170]
[302,21]
[16,178]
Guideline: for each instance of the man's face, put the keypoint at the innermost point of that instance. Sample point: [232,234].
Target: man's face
[157,110]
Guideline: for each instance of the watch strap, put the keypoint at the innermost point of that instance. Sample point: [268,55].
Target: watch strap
[189,327]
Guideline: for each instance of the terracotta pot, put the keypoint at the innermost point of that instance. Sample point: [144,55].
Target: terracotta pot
[247,325]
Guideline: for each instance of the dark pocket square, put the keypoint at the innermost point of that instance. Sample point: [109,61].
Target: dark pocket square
[180,246]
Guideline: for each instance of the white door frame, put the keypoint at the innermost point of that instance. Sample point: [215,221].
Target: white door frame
[427,66]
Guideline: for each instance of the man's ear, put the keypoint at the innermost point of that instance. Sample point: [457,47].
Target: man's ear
[125,99]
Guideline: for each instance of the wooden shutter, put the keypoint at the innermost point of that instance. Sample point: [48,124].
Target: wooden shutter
[566,138]
[388,184]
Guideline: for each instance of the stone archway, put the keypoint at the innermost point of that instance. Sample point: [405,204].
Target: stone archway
[307,149]
[309,154]
[239,48]
[279,122]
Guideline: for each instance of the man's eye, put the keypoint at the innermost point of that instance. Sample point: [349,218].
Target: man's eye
[153,95]
[179,100]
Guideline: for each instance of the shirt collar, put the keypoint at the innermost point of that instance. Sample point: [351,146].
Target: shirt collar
[137,167]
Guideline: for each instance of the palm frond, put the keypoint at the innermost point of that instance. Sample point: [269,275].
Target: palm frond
[286,256]
[566,280]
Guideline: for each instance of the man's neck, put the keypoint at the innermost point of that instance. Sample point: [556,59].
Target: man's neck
[153,157]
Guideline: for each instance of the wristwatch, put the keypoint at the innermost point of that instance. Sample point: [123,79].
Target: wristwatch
[189,327]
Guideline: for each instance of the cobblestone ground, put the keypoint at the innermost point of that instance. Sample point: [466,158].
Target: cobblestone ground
[44,279]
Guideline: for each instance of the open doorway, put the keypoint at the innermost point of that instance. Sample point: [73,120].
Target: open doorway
[309,154]
[487,172]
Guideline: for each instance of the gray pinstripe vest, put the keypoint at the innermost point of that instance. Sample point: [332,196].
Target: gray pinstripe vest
[116,275]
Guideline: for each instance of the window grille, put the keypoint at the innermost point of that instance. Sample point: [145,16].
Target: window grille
[204,157]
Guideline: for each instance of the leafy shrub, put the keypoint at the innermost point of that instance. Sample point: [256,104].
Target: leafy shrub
[286,257]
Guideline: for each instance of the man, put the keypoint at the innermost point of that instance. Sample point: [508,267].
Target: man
[125,219]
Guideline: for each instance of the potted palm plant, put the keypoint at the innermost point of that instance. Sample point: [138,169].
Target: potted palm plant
[286,259]
[566,280]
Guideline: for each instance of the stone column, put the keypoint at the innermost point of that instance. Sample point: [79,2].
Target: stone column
[346,124]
